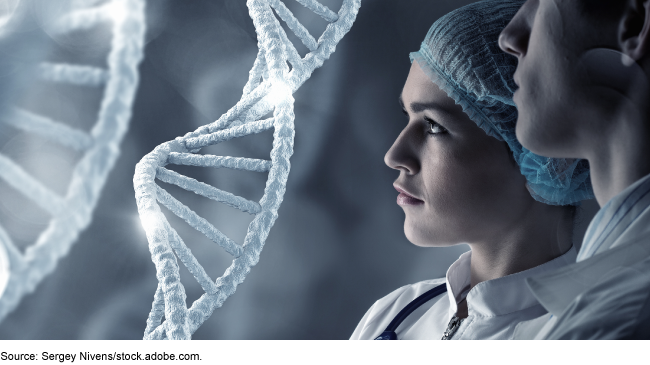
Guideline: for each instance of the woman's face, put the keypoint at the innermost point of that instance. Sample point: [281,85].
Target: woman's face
[457,184]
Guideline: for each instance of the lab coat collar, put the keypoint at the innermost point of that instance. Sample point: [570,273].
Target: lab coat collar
[617,219]
[458,279]
[619,235]
[498,296]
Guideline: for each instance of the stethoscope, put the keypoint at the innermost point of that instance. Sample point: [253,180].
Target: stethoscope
[389,332]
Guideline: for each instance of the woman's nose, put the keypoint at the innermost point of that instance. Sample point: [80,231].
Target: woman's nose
[402,155]
[515,36]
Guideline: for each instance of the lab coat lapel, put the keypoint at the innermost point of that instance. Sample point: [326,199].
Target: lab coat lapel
[555,291]
[618,236]
[623,217]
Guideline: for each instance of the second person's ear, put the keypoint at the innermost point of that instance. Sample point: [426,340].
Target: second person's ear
[634,29]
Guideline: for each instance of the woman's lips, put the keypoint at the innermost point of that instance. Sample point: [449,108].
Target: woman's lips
[405,199]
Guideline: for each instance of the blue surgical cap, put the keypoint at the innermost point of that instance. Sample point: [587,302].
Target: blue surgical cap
[461,55]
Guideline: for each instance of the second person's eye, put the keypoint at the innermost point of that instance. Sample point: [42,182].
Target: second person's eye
[435,128]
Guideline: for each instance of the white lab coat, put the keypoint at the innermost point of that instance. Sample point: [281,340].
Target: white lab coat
[606,294]
[495,307]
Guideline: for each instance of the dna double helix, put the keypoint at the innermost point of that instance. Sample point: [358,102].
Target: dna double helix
[99,148]
[269,89]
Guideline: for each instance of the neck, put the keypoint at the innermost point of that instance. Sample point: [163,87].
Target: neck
[541,235]
[619,146]
[620,156]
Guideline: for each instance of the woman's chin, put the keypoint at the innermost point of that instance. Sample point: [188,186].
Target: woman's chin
[435,244]
[428,239]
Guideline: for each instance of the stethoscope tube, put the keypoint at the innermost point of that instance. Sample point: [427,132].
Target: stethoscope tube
[389,332]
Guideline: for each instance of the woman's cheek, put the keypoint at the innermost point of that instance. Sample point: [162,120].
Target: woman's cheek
[447,195]
[467,180]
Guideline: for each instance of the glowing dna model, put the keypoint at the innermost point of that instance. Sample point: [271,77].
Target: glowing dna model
[269,88]
[72,213]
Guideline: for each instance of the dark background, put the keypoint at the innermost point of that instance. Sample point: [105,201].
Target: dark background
[338,244]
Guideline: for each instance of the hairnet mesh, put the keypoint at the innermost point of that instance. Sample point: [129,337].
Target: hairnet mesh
[461,55]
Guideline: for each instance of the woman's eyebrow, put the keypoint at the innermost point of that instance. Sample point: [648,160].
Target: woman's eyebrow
[420,107]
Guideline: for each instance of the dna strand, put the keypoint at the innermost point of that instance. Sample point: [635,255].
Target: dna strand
[100,148]
[269,88]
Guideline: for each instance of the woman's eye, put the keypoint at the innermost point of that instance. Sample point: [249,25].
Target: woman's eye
[435,128]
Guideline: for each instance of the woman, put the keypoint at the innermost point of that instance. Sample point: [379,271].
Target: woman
[464,178]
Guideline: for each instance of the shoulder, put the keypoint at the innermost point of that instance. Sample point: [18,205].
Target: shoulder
[617,307]
[385,309]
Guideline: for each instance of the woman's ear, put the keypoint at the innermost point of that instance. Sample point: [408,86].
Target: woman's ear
[634,29]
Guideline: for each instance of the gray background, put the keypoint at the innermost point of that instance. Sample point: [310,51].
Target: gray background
[338,244]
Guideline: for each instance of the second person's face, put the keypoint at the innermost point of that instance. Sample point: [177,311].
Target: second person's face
[555,98]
